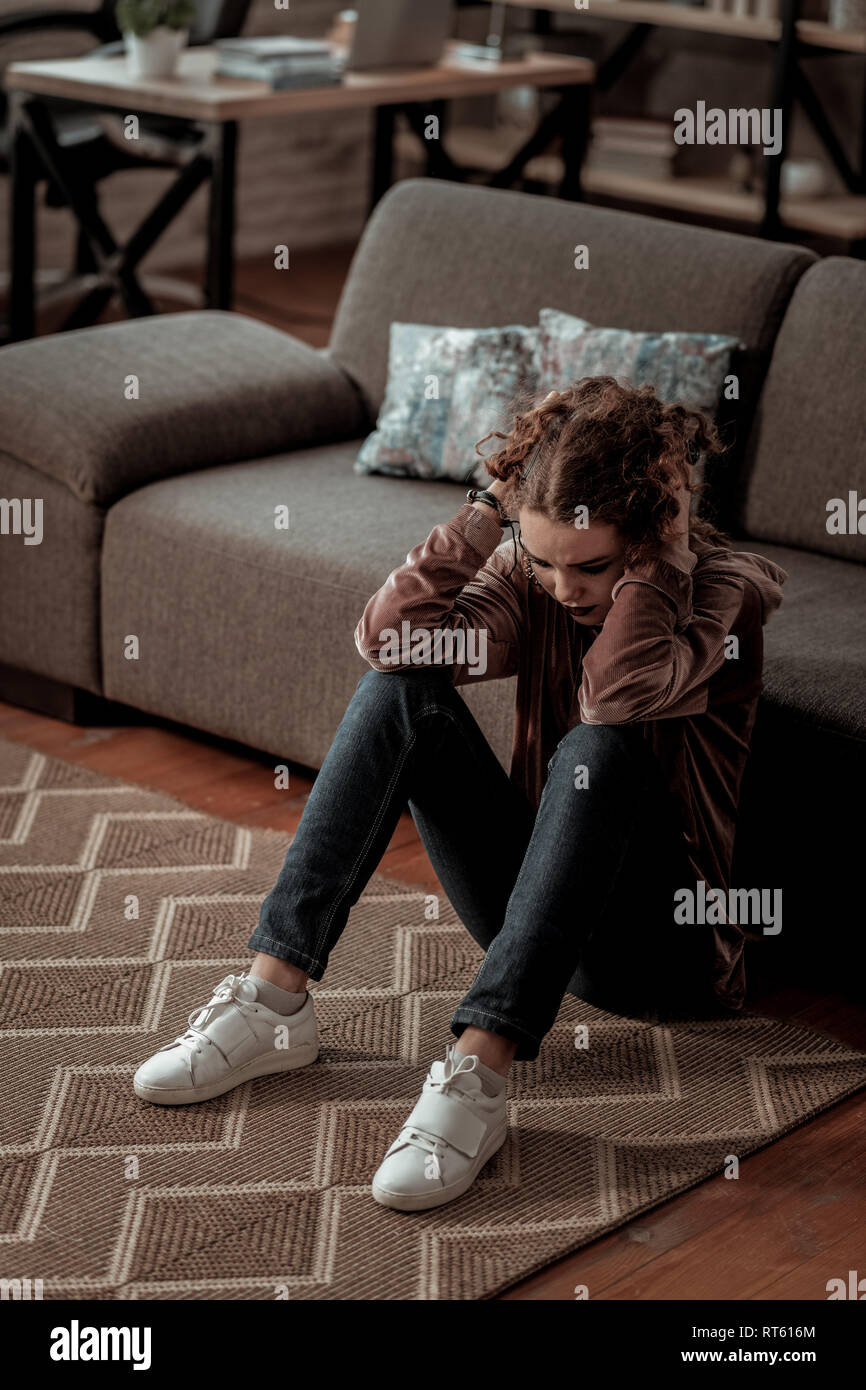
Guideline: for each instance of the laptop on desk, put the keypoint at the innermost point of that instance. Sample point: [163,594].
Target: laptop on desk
[399,33]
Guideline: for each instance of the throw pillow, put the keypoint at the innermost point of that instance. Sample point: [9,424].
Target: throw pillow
[688,368]
[447,388]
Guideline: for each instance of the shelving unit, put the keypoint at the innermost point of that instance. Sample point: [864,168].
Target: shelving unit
[842,216]
[813,32]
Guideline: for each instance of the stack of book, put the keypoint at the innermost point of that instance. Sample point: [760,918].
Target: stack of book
[281,62]
[637,145]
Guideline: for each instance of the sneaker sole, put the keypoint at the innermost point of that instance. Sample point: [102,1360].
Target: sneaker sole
[300,1056]
[421,1201]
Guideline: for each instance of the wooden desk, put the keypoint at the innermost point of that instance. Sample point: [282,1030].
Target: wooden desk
[197,94]
[215,104]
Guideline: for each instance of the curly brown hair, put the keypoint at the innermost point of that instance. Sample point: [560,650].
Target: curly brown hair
[617,450]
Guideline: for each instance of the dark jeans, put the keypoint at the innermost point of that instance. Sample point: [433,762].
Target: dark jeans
[576,898]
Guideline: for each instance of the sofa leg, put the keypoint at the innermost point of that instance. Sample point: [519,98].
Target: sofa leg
[60,700]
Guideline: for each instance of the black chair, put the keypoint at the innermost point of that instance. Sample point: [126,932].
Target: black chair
[93,147]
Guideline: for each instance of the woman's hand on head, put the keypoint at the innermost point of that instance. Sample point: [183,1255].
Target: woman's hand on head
[676,547]
[499,490]
[681,524]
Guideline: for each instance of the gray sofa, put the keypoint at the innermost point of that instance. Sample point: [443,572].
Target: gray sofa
[159,510]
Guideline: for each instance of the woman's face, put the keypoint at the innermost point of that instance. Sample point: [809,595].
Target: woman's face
[577,566]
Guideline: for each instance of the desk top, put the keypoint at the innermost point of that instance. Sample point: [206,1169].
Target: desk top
[197,94]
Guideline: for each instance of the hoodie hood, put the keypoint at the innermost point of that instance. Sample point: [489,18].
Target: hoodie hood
[765,575]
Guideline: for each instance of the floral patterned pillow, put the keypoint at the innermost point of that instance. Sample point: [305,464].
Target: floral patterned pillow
[687,368]
[447,388]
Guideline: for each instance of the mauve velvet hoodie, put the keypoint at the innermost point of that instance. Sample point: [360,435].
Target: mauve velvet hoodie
[658,659]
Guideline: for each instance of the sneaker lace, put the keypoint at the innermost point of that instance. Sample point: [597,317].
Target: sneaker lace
[422,1138]
[226,993]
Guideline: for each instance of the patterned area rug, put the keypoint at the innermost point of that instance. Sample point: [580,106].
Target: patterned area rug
[264,1193]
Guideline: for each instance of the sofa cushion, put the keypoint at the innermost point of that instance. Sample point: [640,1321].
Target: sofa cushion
[49,593]
[813,646]
[212,388]
[808,444]
[247,630]
[443,253]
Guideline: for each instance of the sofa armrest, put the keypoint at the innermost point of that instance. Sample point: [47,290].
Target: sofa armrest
[212,388]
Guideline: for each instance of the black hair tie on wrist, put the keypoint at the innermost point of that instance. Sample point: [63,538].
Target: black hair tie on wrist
[481,495]
[477,494]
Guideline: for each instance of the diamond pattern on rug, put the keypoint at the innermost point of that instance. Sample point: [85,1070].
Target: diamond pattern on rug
[120,909]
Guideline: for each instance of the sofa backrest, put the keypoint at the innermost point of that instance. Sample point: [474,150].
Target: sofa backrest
[808,442]
[447,253]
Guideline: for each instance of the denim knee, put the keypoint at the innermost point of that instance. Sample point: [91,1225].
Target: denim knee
[587,743]
[413,675]
[406,695]
[386,687]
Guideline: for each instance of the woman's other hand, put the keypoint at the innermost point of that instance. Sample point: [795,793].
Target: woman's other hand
[676,548]
[499,488]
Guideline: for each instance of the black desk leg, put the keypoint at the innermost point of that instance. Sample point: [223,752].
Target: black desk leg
[383,153]
[22,227]
[222,151]
[576,115]
[784,86]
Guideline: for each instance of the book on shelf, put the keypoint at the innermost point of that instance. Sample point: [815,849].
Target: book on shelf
[640,145]
[639,165]
[645,147]
[639,130]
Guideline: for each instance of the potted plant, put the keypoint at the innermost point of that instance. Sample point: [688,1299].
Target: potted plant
[155,31]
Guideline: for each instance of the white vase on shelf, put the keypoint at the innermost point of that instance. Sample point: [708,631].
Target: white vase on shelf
[847,14]
[803,178]
[155,56]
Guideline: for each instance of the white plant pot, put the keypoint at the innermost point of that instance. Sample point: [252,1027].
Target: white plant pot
[847,14]
[803,178]
[156,55]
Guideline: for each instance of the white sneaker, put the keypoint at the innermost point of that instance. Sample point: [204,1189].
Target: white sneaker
[230,1040]
[446,1141]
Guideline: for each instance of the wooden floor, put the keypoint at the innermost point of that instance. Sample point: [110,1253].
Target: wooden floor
[797,1215]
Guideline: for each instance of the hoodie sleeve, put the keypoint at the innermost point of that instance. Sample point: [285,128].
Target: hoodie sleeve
[450,604]
[661,642]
